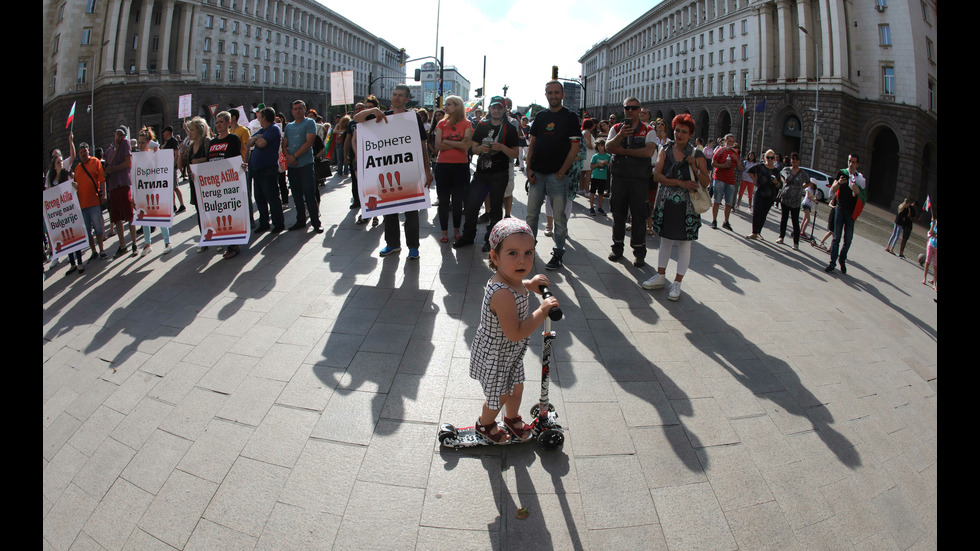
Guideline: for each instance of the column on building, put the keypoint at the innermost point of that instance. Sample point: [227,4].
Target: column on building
[109,59]
[185,39]
[142,66]
[784,47]
[166,36]
[766,50]
[122,37]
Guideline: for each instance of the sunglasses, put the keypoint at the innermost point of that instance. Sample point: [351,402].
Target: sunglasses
[770,158]
[631,107]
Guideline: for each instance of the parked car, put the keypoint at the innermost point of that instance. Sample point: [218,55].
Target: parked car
[823,183]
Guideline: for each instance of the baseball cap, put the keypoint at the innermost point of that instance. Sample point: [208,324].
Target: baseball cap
[496,100]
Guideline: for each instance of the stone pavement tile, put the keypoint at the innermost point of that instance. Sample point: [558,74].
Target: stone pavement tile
[311,488]
[827,455]
[195,332]
[281,436]
[393,525]
[90,399]
[281,361]
[388,338]
[291,527]
[310,387]
[250,402]
[283,315]
[464,491]
[762,526]
[457,539]
[591,383]
[876,441]
[131,392]
[797,494]
[64,521]
[692,518]
[766,446]
[786,412]
[706,425]
[258,340]
[370,371]
[368,297]
[851,503]
[667,346]
[238,324]
[60,471]
[153,463]
[208,535]
[228,372]
[460,385]
[614,493]
[165,359]
[95,430]
[114,519]
[644,403]
[734,398]
[335,349]
[427,357]
[177,383]
[736,481]
[415,398]
[141,541]
[214,452]
[666,456]
[193,413]
[210,350]
[101,470]
[350,416]
[245,498]
[398,455]
[54,437]
[611,539]
[532,469]
[555,521]
[600,429]
[304,331]
[680,383]
[825,534]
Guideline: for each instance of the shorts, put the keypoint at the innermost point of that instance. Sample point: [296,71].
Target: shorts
[93,220]
[599,185]
[509,190]
[121,205]
[932,255]
[724,191]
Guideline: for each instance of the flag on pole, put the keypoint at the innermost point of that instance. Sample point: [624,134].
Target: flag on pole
[528,114]
[472,104]
[928,203]
[71,115]
[741,108]
[760,107]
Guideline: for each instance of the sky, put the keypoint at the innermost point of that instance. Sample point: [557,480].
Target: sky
[521,39]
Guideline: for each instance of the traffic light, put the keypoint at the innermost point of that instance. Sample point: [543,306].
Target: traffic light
[554,72]
[479,92]
[418,75]
[402,58]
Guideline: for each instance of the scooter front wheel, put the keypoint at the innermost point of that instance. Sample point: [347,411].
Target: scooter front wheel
[551,439]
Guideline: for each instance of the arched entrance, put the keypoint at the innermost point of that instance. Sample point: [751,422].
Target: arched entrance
[724,124]
[702,126]
[790,137]
[151,114]
[883,174]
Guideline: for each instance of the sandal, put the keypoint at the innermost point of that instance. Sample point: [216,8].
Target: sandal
[523,434]
[499,437]
[374,222]
[444,239]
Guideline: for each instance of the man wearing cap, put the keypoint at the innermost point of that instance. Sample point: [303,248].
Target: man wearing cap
[555,141]
[297,147]
[118,161]
[495,143]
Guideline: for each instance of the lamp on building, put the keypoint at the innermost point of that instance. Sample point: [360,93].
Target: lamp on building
[816,105]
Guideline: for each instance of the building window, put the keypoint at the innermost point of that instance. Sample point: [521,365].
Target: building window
[925,12]
[82,72]
[90,6]
[888,81]
[745,26]
[930,50]
[57,43]
[932,95]
[204,71]
[224,24]
[745,52]
[207,44]
[217,71]
[86,37]
[208,21]
[221,46]
[884,35]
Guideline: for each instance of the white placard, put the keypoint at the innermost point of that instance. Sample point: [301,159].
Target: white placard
[390,169]
[63,219]
[152,175]
[184,106]
[223,202]
[342,88]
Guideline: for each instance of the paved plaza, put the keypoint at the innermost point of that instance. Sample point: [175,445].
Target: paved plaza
[289,398]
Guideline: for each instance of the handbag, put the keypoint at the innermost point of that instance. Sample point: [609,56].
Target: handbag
[103,201]
[700,198]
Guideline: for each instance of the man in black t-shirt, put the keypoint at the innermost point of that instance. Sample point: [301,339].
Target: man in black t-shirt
[170,142]
[555,141]
[495,142]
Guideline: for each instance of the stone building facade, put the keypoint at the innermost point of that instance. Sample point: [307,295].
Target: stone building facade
[874,62]
[132,59]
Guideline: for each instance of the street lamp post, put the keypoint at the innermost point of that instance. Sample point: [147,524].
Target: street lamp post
[816,106]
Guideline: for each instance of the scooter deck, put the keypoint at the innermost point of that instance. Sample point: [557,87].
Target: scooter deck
[467,437]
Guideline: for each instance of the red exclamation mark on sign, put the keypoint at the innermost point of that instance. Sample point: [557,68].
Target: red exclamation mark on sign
[390,186]
[398,178]
[381,180]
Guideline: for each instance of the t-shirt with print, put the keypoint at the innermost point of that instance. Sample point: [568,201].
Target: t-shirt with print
[553,132]
[486,133]
[600,172]
[224,148]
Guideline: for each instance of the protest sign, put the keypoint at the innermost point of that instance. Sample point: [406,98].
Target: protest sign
[153,192]
[222,200]
[184,106]
[341,87]
[63,220]
[390,169]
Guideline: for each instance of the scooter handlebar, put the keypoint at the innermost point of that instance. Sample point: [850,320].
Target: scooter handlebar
[555,313]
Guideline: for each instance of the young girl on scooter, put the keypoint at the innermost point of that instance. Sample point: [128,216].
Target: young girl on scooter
[497,357]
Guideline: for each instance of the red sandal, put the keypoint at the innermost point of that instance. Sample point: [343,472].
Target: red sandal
[524,433]
[499,437]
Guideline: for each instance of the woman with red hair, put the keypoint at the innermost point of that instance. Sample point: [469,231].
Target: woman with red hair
[680,169]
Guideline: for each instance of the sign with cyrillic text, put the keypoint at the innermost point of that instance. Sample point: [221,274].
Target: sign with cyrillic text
[222,201]
[390,173]
[153,188]
[63,219]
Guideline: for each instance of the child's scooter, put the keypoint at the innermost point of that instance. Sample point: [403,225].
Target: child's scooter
[543,426]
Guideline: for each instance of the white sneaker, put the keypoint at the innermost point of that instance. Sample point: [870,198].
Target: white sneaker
[675,291]
[656,282]
[146,251]
[167,249]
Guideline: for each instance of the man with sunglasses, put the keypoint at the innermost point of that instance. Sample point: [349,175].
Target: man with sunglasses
[849,188]
[724,160]
[630,179]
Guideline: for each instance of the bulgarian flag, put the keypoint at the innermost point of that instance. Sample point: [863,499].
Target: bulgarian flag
[862,193]
[71,115]
[328,147]
[928,203]
[741,108]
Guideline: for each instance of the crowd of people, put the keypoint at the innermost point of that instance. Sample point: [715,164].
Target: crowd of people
[646,172]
